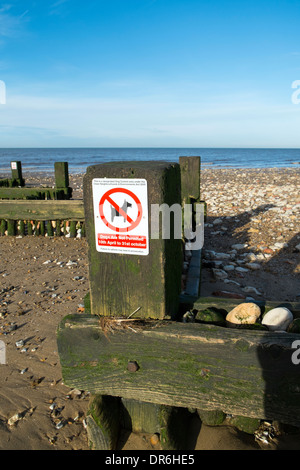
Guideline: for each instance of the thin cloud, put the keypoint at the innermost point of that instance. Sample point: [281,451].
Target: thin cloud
[57,7]
[11,24]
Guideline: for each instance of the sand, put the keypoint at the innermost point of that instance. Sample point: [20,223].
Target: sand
[38,288]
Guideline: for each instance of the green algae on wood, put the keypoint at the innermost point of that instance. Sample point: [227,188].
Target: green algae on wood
[241,372]
[122,283]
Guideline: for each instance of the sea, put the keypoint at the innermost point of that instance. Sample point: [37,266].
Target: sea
[43,159]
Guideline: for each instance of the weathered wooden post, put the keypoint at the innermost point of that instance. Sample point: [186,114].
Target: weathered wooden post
[61,170]
[191,198]
[190,179]
[16,173]
[129,270]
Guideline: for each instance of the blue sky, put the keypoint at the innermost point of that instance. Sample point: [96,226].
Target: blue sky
[149,73]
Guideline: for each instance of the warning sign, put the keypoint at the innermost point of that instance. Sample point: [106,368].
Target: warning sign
[121,215]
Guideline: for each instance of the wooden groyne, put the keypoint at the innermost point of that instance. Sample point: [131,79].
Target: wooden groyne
[43,211]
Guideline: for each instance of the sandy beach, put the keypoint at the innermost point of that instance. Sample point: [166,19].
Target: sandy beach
[252,214]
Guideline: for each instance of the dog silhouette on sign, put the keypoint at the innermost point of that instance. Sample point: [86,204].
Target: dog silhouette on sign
[115,213]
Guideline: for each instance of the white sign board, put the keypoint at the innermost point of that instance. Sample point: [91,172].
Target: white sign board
[13,165]
[121,215]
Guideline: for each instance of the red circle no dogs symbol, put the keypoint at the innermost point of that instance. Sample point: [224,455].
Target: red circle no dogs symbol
[119,210]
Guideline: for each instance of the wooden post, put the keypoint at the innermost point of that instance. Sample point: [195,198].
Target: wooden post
[21,227]
[16,173]
[61,170]
[57,228]
[49,228]
[72,229]
[11,228]
[62,180]
[42,228]
[190,179]
[2,227]
[103,422]
[29,227]
[121,283]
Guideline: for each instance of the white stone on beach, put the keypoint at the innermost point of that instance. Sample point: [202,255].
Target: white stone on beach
[297,247]
[229,267]
[251,290]
[245,313]
[14,419]
[278,319]
[220,256]
[219,273]
[253,266]
[239,246]
[71,263]
[241,270]
[230,281]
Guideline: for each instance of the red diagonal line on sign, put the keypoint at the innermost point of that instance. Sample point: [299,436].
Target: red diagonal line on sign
[119,210]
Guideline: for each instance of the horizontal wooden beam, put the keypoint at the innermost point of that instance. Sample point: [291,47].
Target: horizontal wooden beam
[42,210]
[35,193]
[242,372]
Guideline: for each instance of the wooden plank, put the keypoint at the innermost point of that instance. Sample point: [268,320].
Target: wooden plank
[42,210]
[242,372]
[35,193]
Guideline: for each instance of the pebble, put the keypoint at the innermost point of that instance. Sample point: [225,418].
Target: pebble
[229,267]
[154,439]
[71,263]
[219,274]
[260,209]
[245,313]
[217,221]
[239,246]
[278,319]
[14,419]
[60,424]
[241,270]
[253,266]
[251,290]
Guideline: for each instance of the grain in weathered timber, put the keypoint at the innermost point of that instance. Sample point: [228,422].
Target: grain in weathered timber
[190,179]
[139,416]
[103,422]
[243,372]
[61,172]
[42,210]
